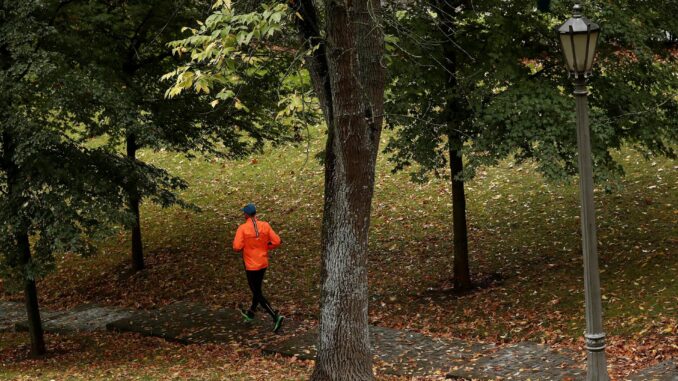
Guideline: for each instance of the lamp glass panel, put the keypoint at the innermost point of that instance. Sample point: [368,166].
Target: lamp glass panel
[580,48]
[566,43]
[593,43]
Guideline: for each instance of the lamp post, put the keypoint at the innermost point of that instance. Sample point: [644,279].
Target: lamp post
[579,38]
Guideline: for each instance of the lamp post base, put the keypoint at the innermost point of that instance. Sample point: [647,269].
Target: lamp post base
[596,361]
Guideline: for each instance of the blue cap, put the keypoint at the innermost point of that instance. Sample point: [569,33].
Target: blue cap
[249,209]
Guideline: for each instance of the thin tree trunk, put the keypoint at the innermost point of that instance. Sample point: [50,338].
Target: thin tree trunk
[31,298]
[134,201]
[462,273]
[309,33]
[23,248]
[454,113]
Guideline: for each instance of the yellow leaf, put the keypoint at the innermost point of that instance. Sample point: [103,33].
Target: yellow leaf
[240,106]
[201,85]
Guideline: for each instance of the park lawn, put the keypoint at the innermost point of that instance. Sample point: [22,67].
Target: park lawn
[523,233]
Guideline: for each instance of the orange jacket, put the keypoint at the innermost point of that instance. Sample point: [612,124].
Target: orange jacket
[255,238]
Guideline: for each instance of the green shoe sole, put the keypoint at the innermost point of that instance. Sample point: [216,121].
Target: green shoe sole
[245,316]
[278,323]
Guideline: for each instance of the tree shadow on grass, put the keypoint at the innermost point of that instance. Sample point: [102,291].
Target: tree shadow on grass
[446,290]
[66,351]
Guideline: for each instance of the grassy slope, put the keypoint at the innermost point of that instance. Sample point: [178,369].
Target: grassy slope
[520,226]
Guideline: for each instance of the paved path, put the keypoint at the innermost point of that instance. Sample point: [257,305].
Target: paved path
[10,314]
[85,318]
[664,371]
[396,351]
[194,323]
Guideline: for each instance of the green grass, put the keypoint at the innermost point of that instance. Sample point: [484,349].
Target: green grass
[519,226]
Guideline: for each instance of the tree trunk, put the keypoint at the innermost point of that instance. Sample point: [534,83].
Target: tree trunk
[349,79]
[455,114]
[309,33]
[31,299]
[23,247]
[134,201]
[462,273]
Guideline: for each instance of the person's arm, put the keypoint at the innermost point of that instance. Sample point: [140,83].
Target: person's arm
[274,239]
[239,240]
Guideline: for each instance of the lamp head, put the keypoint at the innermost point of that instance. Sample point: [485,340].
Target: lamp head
[579,39]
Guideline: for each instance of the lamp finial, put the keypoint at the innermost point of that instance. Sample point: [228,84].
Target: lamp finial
[577,11]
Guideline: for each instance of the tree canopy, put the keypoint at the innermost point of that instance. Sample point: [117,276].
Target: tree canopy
[511,95]
[54,191]
[126,105]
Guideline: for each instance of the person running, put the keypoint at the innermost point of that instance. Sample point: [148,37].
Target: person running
[255,238]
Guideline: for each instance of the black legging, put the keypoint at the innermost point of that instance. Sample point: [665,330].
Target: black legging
[254,279]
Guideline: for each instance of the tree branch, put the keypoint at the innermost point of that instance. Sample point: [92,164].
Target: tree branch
[309,32]
[131,65]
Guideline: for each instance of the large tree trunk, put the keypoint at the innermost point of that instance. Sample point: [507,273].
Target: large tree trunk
[462,273]
[31,299]
[348,78]
[134,201]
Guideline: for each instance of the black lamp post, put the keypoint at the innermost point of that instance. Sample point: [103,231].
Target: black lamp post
[579,39]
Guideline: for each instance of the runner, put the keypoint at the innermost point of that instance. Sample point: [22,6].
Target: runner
[255,238]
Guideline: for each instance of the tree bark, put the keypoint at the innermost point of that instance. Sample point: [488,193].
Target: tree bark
[348,78]
[31,298]
[134,201]
[455,114]
[309,32]
[462,273]
[23,248]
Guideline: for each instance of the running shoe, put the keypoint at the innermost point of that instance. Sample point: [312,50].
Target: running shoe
[246,314]
[278,323]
